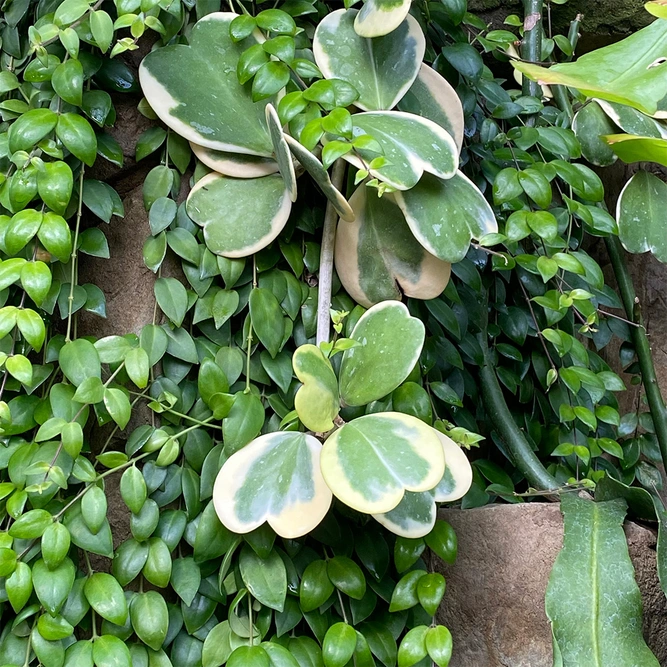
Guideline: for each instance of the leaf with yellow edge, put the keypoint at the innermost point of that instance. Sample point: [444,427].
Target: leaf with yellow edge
[632,71]
[236,165]
[431,96]
[378,258]
[370,462]
[631,148]
[255,212]
[276,479]
[415,515]
[380,17]
[316,402]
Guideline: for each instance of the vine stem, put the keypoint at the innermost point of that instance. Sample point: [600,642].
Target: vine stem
[496,408]
[640,340]
[70,298]
[327,259]
[531,49]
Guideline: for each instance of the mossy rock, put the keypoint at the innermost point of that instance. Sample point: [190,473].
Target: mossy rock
[601,17]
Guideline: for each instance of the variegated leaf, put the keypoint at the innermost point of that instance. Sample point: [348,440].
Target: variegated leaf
[275,479]
[632,121]
[321,176]
[382,69]
[380,17]
[370,462]
[317,402]
[281,151]
[446,215]
[378,257]
[410,144]
[432,97]
[631,148]
[195,90]
[390,342]
[415,515]
[255,212]
[236,165]
[640,215]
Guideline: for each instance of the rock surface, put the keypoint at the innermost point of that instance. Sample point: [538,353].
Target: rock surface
[601,17]
[494,604]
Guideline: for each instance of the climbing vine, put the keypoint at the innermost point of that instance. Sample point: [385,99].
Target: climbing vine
[385,266]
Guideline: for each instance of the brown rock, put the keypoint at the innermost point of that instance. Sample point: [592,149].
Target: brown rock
[494,604]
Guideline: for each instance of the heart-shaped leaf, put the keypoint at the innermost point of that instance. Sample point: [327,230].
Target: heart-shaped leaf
[640,214]
[378,257]
[632,121]
[382,70]
[457,479]
[195,90]
[432,97]
[631,148]
[380,17]
[256,210]
[445,215]
[389,339]
[281,150]
[590,124]
[317,402]
[631,71]
[415,515]
[321,176]
[410,144]
[275,478]
[236,165]
[370,462]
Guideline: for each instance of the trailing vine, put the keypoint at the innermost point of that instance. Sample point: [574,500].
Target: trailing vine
[495,346]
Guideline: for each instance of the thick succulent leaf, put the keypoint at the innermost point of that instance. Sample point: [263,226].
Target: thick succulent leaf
[382,69]
[281,150]
[457,479]
[631,71]
[445,215]
[390,342]
[378,257]
[640,214]
[370,462]
[236,165]
[413,517]
[632,121]
[239,216]
[411,145]
[631,148]
[380,17]
[590,124]
[317,402]
[592,599]
[432,97]
[275,479]
[195,90]
[321,176]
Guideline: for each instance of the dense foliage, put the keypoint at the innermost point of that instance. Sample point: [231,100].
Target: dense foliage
[238,360]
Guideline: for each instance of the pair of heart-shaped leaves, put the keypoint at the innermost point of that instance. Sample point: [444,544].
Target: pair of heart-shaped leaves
[386,337]
[387,464]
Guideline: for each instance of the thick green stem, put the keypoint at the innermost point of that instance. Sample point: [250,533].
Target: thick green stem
[640,340]
[496,408]
[531,49]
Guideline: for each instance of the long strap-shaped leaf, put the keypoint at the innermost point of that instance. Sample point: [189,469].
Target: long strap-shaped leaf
[592,600]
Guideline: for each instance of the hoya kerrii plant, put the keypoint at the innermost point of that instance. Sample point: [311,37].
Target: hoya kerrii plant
[411,215]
